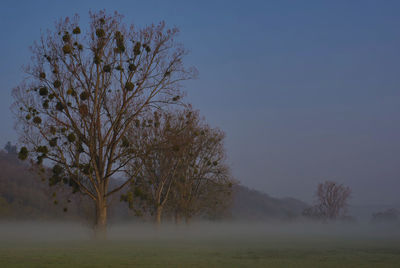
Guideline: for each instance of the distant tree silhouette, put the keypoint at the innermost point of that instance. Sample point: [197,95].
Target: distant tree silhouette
[331,201]
[388,216]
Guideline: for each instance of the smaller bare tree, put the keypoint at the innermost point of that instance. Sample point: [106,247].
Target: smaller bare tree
[160,139]
[204,184]
[331,204]
[183,170]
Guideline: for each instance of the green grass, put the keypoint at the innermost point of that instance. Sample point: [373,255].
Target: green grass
[221,252]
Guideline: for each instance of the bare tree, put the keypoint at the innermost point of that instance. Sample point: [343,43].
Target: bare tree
[204,183]
[183,172]
[331,202]
[85,89]
[161,140]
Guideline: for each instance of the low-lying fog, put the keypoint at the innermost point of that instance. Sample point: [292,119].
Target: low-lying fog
[57,231]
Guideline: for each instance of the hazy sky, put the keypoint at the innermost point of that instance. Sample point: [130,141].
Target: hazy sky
[306,91]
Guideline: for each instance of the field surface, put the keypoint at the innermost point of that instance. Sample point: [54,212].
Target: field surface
[223,250]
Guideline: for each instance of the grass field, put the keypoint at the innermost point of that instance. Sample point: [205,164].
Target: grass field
[226,250]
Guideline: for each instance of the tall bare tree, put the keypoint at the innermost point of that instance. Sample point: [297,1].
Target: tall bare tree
[85,89]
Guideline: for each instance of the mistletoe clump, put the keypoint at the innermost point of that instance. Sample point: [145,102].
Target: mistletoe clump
[53,142]
[71,137]
[107,68]
[76,30]
[83,110]
[136,49]
[132,67]
[57,175]
[52,130]
[147,48]
[37,120]
[66,37]
[100,33]
[42,149]
[84,95]
[71,92]
[129,86]
[119,39]
[59,106]
[96,59]
[67,49]
[43,91]
[57,84]
[46,104]
[23,153]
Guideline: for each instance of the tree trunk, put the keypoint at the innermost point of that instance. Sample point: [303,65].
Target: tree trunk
[188,220]
[101,219]
[158,215]
[177,218]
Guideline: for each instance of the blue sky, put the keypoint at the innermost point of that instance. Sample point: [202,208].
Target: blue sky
[306,91]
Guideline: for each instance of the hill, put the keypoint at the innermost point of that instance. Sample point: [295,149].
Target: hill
[254,205]
[23,195]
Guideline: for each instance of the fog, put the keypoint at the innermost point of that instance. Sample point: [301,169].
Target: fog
[198,231]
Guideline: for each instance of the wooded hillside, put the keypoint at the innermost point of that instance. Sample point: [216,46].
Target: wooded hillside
[23,196]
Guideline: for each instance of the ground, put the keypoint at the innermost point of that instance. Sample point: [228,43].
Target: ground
[232,253]
[223,250]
